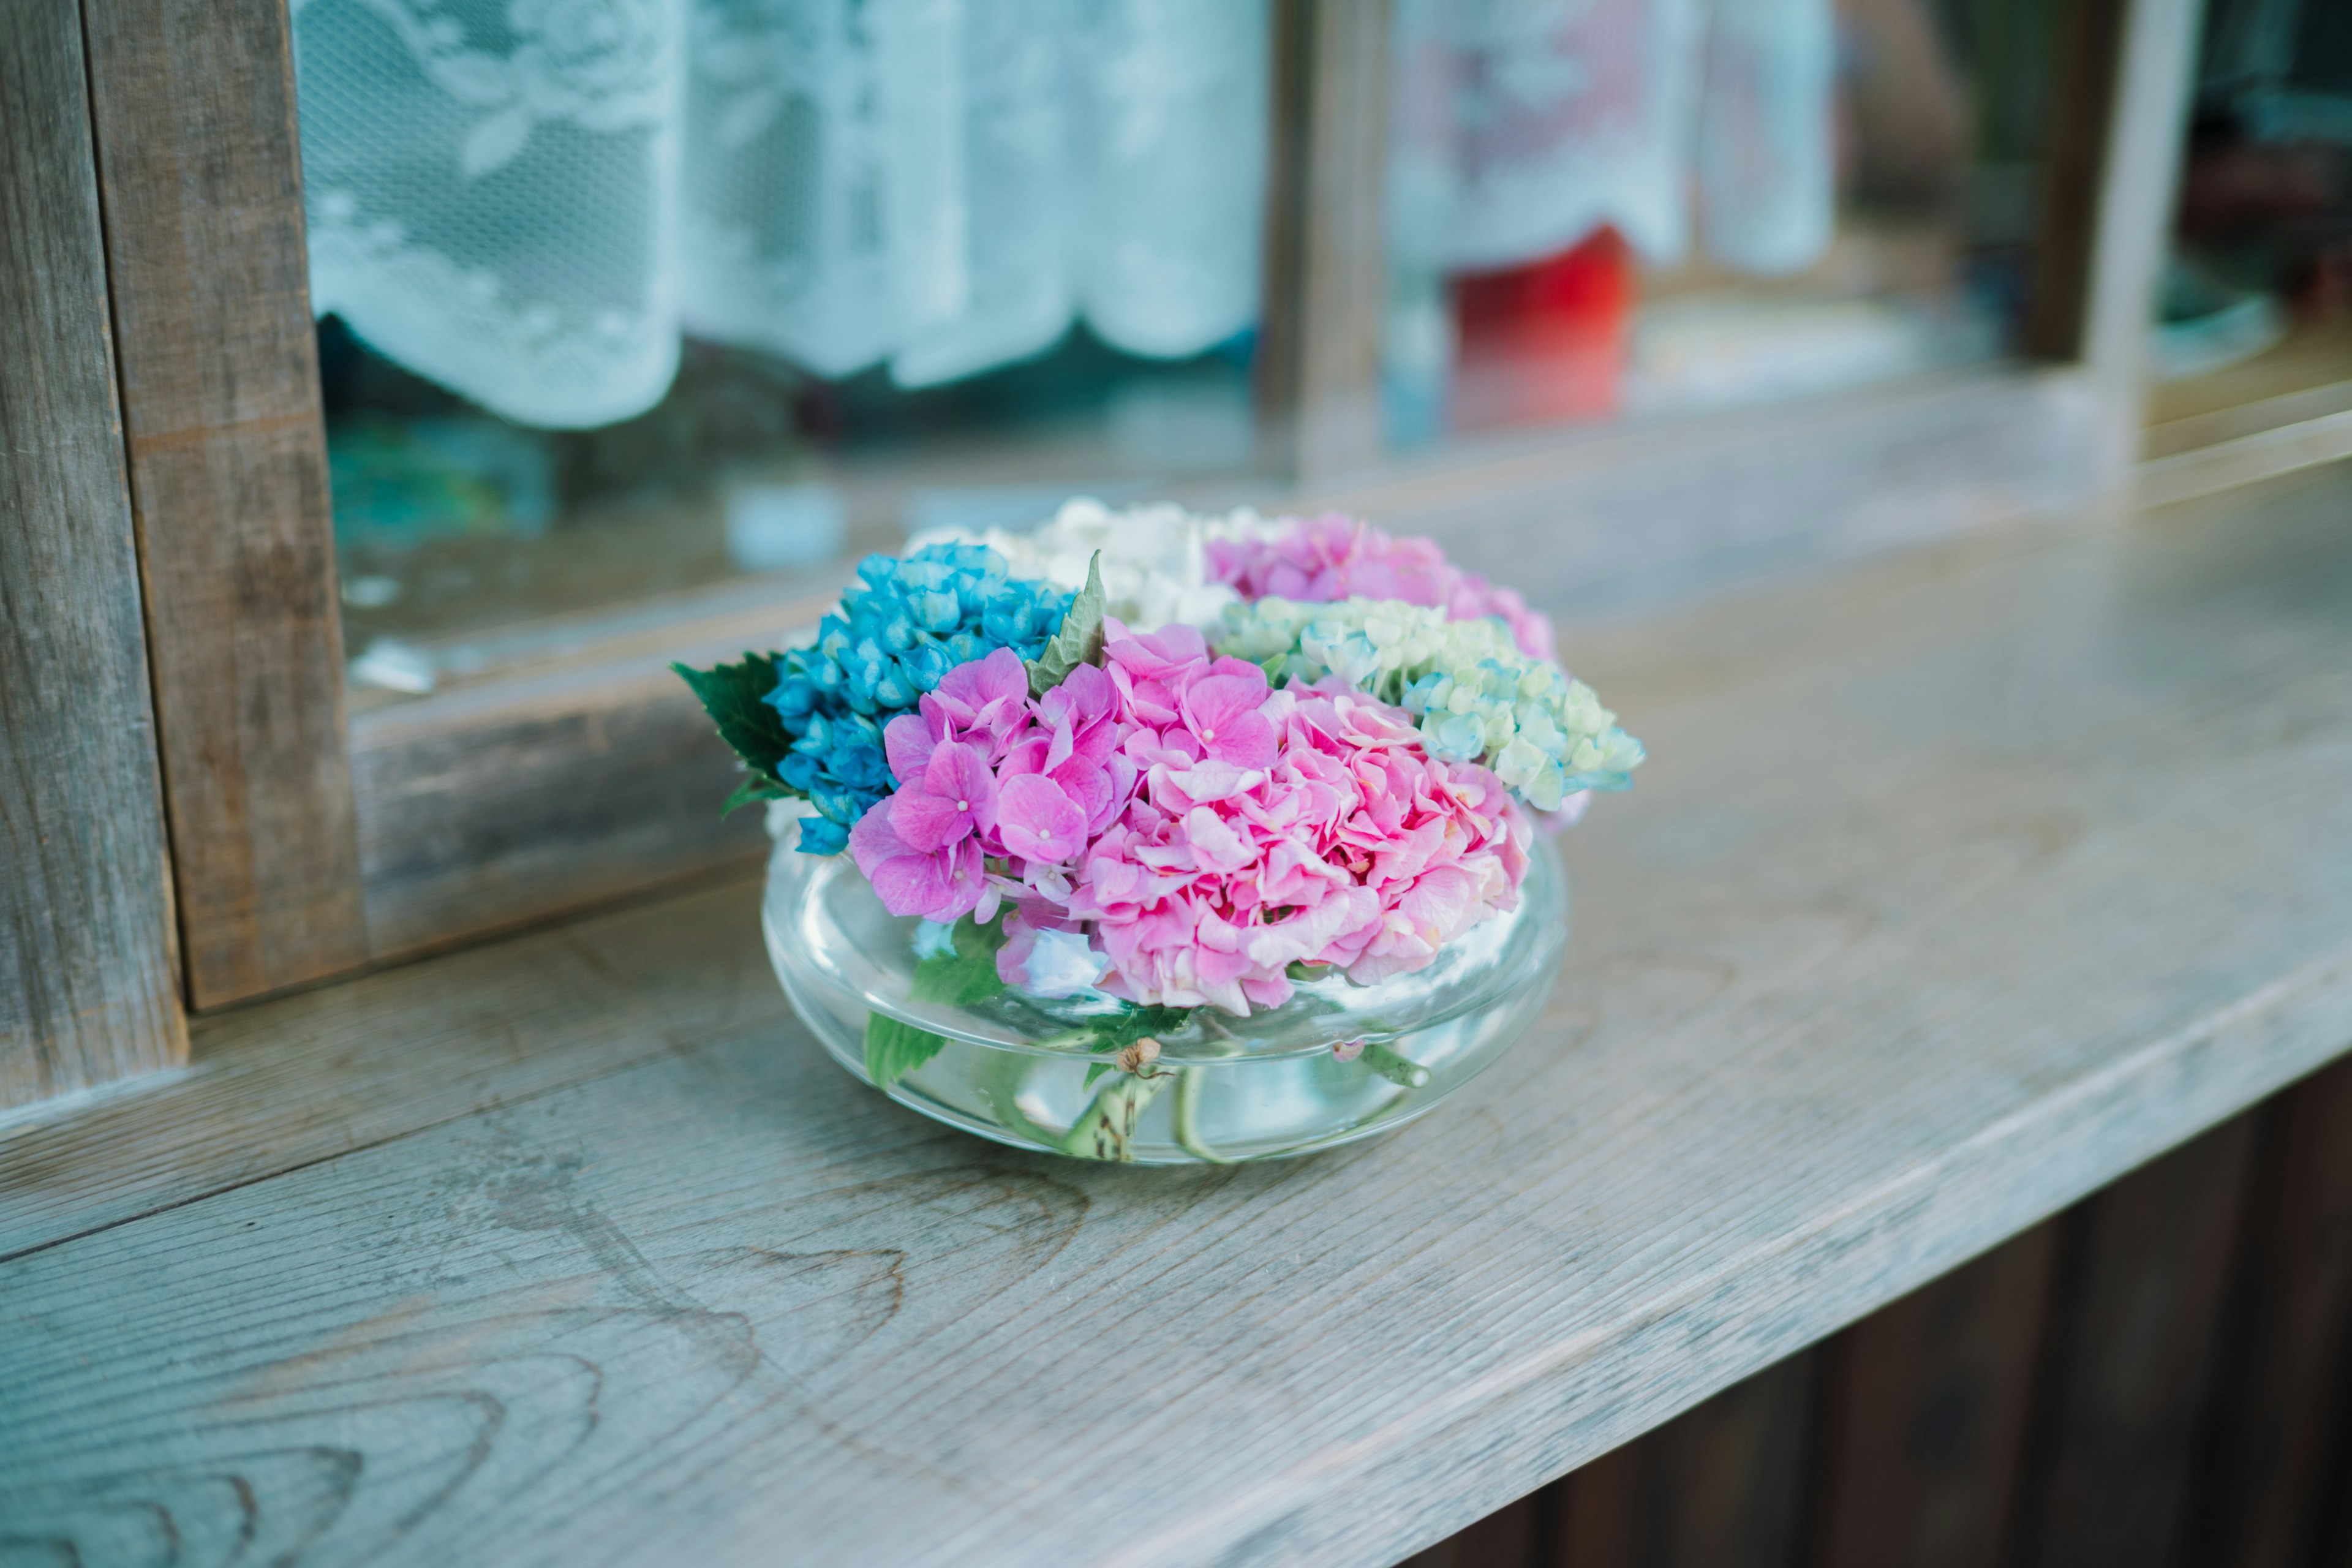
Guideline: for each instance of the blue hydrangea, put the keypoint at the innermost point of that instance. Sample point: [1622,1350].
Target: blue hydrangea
[900,629]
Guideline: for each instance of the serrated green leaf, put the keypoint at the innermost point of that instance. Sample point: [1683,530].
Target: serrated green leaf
[1094,1071]
[1080,640]
[733,695]
[893,1049]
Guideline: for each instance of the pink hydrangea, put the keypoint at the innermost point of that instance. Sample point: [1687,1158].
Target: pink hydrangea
[1334,557]
[1202,832]
[1270,828]
[997,793]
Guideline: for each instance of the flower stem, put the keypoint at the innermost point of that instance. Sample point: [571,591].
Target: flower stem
[1397,1070]
[1188,1110]
[1107,1129]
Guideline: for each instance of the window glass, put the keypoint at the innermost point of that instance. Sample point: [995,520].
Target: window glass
[2255,310]
[621,299]
[1663,206]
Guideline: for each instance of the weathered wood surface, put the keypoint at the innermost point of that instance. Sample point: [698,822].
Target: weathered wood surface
[1960,884]
[485,808]
[387,1054]
[87,989]
[1318,354]
[1627,520]
[193,101]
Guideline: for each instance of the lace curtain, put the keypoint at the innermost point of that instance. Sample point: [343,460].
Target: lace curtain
[1521,126]
[529,201]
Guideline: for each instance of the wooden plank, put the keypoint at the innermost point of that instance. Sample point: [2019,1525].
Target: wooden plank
[2269,1466]
[2226,465]
[2135,197]
[196,117]
[87,989]
[1927,1403]
[582,773]
[2142,1287]
[2074,164]
[490,807]
[1318,353]
[1880,964]
[389,1053]
[1722,1486]
[1634,519]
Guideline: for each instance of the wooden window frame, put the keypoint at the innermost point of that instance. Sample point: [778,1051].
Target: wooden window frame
[308,840]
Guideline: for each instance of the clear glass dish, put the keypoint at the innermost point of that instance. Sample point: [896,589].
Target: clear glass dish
[1337,1062]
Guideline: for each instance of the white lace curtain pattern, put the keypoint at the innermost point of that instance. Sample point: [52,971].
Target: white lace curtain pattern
[530,200]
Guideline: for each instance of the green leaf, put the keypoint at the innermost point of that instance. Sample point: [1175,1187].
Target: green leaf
[733,695]
[1123,1030]
[893,1049]
[1094,1071]
[1080,640]
[756,788]
[966,975]
[954,979]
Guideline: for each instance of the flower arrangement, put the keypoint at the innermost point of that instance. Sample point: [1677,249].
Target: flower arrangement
[1166,767]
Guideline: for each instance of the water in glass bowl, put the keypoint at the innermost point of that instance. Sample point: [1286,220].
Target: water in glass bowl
[1338,1061]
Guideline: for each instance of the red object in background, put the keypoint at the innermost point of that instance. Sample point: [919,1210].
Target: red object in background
[1543,342]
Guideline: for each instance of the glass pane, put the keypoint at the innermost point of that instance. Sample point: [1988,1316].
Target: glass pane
[635,304]
[1625,207]
[2256,304]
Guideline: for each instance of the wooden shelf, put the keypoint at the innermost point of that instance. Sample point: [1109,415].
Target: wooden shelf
[1961,882]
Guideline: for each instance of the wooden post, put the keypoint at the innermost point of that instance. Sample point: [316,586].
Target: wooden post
[2141,1292]
[87,989]
[193,103]
[1928,1400]
[2135,200]
[2269,1471]
[1720,1486]
[1319,332]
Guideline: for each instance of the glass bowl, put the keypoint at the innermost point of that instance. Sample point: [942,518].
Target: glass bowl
[1338,1061]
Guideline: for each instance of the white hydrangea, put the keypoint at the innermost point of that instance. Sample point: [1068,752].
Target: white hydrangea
[1478,697]
[1155,562]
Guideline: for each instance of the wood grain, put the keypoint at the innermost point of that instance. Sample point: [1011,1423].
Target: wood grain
[87,989]
[489,808]
[1886,961]
[2142,1288]
[193,103]
[2268,1467]
[389,1053]
[1928,1398]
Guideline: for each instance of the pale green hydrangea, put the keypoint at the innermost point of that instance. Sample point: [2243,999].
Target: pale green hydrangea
[1478,698]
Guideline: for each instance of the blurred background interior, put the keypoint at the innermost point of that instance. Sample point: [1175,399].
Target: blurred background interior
[728,294]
